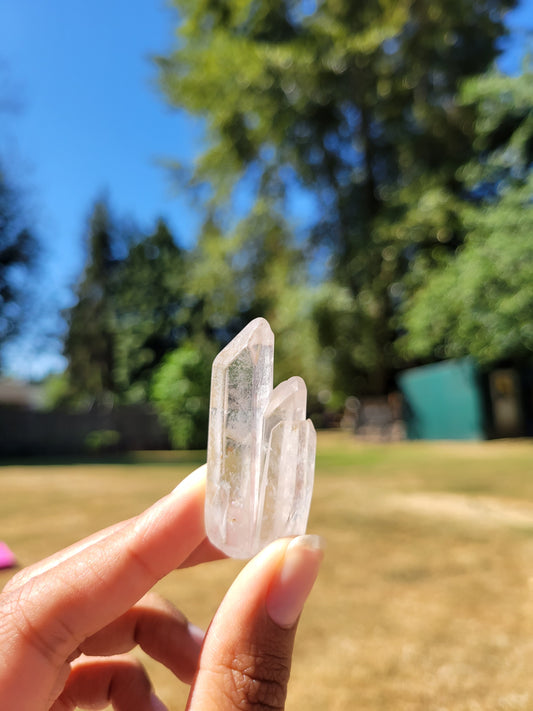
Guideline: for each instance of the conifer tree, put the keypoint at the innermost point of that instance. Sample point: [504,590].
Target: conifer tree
[90,339]
[18,250]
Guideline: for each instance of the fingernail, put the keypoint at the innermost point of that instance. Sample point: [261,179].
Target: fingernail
[197,634]
[156,704]
[289,590]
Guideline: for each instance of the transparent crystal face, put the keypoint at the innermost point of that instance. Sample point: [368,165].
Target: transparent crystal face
[286,403]
[261,450]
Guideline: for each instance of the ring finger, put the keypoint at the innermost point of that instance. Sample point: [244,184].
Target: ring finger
[96,682]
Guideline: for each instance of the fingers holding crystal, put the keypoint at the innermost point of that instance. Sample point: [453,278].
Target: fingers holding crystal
[48,616]
[246,658]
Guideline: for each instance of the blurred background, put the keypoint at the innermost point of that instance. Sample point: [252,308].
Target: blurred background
[360,175]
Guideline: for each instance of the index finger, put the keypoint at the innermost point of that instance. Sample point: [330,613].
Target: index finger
[64,605]
[204,553]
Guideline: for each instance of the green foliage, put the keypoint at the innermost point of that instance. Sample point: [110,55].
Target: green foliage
[128,313]
[99,441]
[354,108]
[353,103]
[180,393]
[89,343]
[347,326]
[257,270]
[153,297]
[148,304]
[56,390]
[480,302]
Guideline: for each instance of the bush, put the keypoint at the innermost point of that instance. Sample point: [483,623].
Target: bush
[180,393]
[99,441]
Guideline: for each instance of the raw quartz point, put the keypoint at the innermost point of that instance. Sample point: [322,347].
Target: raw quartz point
[261,449]
[241,383]
[289,463]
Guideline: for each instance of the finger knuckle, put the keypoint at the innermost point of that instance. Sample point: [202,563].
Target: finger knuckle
[19,614]
[14,582]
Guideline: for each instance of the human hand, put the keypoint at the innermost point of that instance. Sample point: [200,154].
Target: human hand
[66,622]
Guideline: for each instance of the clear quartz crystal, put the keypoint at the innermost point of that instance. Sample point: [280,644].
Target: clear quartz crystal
[241,383]
[261,450]
[287,402]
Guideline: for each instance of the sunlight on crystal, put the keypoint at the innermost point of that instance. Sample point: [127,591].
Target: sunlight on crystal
[261,449]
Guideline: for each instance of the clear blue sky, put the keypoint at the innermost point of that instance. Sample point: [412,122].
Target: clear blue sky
[91,119]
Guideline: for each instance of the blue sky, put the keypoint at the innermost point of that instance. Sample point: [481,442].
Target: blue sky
[90,119]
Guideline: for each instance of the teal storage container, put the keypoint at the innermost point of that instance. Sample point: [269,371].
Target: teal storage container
[443,401]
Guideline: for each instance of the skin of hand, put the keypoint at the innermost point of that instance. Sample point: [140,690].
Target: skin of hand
[67,622]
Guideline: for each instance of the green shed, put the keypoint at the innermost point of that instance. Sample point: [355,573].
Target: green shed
[443,401]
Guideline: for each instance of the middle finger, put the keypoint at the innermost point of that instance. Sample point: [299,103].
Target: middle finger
[162,631]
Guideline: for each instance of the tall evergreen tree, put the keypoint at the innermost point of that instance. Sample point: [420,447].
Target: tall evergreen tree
[90,339]
[128,313]
[149,304]
[355,103]
[18,249]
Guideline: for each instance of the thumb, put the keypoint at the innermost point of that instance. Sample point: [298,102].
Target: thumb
[246,659]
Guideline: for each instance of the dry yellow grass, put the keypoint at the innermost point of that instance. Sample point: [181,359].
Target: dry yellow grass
[425,600]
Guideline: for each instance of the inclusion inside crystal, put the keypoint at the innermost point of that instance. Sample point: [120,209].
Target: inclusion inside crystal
[261,449]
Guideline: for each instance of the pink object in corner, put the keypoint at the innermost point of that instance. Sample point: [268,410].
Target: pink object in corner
[7,558]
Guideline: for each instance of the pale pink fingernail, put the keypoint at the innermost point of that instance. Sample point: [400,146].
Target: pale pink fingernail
[290,589]
[197,634]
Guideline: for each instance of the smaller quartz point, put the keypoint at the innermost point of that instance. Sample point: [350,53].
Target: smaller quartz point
[261,449]
[287,402]
[305,476]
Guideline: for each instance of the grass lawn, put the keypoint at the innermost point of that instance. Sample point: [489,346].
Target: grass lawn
[425,600]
